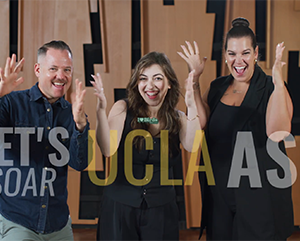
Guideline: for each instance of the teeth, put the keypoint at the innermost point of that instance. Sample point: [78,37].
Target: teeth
[239,68]
[61,84]
[151,94]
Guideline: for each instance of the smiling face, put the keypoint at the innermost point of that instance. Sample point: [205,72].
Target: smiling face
[54,71]
[153,85]
[241,57]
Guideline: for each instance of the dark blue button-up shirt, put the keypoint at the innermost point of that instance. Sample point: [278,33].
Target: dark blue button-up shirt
[38,141]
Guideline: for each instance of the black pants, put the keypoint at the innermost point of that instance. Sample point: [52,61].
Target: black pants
[121,222]
[224,222]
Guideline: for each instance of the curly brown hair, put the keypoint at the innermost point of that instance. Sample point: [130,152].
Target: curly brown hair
[167,114]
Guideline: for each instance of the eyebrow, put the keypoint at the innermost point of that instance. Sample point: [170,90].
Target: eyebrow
[153,75]
[242,51]
[66,67]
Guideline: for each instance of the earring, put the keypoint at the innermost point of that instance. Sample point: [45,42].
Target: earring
[255,60]
[225,61]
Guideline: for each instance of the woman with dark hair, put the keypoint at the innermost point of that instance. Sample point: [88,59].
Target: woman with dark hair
[246,115]
[140,204]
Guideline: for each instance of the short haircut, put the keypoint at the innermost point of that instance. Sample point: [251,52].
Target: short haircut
[54,44]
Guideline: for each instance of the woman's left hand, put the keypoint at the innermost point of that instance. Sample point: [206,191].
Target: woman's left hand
[278,64]
[192,58]
[189,92]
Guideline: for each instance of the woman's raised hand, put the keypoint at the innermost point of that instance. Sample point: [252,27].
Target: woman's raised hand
[278,64]
[99,91]
[192,58]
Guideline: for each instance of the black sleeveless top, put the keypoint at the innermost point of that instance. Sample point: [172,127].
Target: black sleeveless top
[221,134]
[153,193]
[221,131]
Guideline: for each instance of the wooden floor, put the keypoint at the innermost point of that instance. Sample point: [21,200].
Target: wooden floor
[89,234]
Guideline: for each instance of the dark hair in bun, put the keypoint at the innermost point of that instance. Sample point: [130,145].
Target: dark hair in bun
[240,22]
[240,28]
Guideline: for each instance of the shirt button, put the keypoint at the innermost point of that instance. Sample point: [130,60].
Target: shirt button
[145,192]
[48,109]
[43,206]
[48,127]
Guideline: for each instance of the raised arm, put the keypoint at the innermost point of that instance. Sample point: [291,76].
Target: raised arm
[280,108]
[9,76]
[192,58]
[190,123]
[115,120]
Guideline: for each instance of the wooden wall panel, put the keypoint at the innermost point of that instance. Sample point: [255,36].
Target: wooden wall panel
[297,5]
[284,27]
[168,27]
[4,28]
[118,37]
[117,24]
[36,29]
[69,21]
[237,8]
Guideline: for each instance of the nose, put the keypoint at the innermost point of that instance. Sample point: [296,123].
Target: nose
[150,84]
[60,74]
[239,59]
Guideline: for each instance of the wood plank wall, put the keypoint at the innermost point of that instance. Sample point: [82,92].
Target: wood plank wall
[4,27]
[164,29]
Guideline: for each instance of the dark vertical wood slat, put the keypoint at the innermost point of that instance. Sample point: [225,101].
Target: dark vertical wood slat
[103,35]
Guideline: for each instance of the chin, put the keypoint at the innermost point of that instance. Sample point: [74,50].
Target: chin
[240,79]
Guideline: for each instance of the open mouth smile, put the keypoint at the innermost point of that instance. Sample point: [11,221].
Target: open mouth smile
[58,84]
[240,70]
[151,94]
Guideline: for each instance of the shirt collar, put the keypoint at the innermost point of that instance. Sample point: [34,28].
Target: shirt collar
[35,94]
